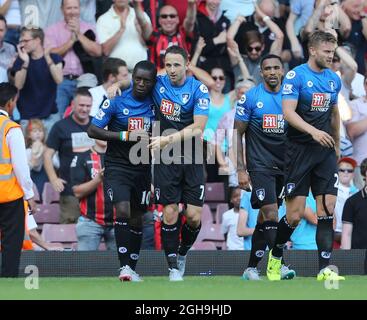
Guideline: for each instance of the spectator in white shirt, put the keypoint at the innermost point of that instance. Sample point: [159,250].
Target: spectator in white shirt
[122,31]
[113,70]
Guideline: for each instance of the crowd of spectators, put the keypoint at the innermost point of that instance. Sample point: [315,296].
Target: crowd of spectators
[62,55]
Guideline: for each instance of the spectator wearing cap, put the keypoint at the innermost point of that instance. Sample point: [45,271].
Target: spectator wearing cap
[70,38]
[357,131]
[346,189]
[123,31]
[354,235]
[113,70]
[37,74]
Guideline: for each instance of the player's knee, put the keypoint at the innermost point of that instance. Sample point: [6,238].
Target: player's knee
[122,211]
[193,217]
[294,217]
[270,215]
[136,222]
[170,214]
[327,209]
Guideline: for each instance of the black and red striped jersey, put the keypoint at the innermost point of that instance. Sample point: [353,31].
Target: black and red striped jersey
[159,42]
[97,205]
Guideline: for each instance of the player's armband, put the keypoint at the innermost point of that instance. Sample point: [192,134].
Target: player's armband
[124,135]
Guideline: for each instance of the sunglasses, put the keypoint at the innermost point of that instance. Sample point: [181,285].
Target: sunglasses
[165,16]
[215,78]
[346,170]
[250,49]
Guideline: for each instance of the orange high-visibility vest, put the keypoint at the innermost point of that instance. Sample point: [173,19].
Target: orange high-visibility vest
[9,186]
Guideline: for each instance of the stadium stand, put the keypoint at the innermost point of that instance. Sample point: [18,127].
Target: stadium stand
[49,195]
[63,233]
[204,245]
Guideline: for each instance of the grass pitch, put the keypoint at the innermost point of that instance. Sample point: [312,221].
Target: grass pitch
[203,288]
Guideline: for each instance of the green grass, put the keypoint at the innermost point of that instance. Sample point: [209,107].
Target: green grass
[207,288]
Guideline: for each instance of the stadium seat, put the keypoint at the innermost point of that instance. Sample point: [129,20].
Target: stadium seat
[49,195]
[214,194]
[47,213]
[64,233]
[211,232]
[204,245]
[206,216]
[221,208]
[37,197]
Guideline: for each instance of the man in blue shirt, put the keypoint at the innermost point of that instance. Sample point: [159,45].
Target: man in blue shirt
[127,173]
[182,105]
[309,101]
[259,114]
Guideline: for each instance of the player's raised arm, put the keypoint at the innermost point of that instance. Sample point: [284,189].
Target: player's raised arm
[117,88]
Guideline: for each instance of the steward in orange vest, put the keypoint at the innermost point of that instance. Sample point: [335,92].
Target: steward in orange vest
[15,183]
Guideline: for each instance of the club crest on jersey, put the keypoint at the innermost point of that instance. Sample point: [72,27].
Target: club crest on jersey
[332,85]
[290,187]
[240,110]
[125,111]
[291,74]
[161,89]
[185,97]
[320,102]
[273,123]
[310,84]
[171,110]
[259,104]
[260,193]
[243,99]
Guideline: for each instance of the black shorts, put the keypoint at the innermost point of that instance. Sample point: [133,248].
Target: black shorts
[179,183]
[310,166]
[267,188]
[128,184]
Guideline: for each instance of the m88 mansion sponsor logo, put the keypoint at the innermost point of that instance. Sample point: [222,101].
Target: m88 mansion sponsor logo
[171,110]
[138,123]
[273,123]
[320,102]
